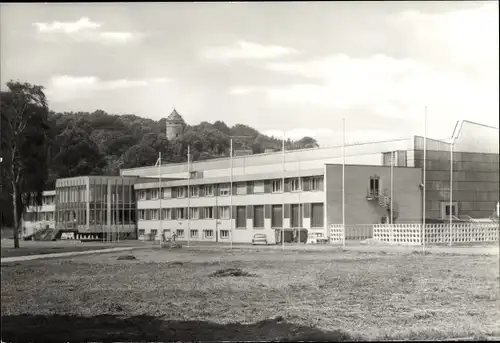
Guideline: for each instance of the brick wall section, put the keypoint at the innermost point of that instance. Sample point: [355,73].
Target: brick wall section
[407,193]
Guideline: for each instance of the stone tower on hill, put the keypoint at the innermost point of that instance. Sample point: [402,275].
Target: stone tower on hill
[175,125]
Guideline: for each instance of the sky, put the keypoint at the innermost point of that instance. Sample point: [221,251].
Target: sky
[292,67]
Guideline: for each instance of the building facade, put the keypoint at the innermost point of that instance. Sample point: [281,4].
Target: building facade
[307,199]
[36,218]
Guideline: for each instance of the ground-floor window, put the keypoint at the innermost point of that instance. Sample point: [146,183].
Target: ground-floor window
[142,232]
[209,233]
[224,233]
[180,233]
[194,233]
[154,232]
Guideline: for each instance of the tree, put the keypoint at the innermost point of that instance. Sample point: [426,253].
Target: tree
[25,146]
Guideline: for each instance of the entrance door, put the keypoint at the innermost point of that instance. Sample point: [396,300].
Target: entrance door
[167,235]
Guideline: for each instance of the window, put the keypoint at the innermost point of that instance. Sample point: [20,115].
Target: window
[224,189]
[224,212]
[167,193]
[194,233]
[154,232]
[194,191]
[180,233]
[276,216]
[453,210]
[166,214]
[181,192]
[141,232]
[445,209]
[241,188]
[209,190]
[154,215]
[154,194]
[142,214]
[241,216]
[316,183]
[224,233]
[209,233]
[141,195]
[180,213]
[258,186]
[317,215]
[374,185]
[277,186]
[258,216]
[209,212]
[295,185]
[194,213]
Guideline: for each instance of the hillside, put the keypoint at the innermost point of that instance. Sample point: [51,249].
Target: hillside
[102,143]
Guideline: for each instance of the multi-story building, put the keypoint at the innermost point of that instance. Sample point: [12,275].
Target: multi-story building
[36,218]
[309,198]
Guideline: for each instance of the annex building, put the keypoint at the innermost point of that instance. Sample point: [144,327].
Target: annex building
[212,201]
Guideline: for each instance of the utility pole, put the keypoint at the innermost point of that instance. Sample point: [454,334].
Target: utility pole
[189,195]
[283,190]
[392,187]
[343,181]
[424,179]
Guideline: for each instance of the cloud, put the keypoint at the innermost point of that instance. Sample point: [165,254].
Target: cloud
[242,90]
[85,30]
[453,70]
[247,50]
[65,88]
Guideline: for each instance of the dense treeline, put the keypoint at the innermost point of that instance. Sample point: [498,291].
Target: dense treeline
[52,145]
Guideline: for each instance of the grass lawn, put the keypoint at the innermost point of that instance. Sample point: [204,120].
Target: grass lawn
[169,295]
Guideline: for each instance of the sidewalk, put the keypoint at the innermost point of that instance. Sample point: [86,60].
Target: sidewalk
[63,254]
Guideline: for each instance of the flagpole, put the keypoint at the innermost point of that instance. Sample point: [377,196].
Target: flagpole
[160,194]
[283,205]
[424,179]
[451,187]
[231,189]
[189,196]
[300,203]
[392,187]
[343,181]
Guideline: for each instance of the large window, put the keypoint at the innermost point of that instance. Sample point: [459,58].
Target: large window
[194,233]
[224,233]
[241,188]
[225,189]
[241,216]
[295,185]
[316,184]
[209,212]
[141,195]
[224,212]
[258,186]
[209,233]
[209,190]
[277,186]
[258,216]
[180,213]
[194,191]
[167,193]
[180,233]
[154,215]
[317,215]
[194,213]
[180,192]
[142,214]
[166,214]
[276,216]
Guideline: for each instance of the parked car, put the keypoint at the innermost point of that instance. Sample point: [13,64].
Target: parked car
[259,238]
[316,238]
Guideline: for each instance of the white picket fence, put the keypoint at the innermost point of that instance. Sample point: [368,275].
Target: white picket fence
[411,234]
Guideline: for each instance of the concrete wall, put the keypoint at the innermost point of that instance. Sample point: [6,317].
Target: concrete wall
[407,194]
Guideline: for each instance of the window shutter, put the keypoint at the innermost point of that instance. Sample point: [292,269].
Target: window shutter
[234,212]
[249,187]
[174,192]
[201,212]
[148,214]
[173,213]
[287,210]
[201,191]
[234,190]
[249,211]
[307,210]
[267,186]
[216,190]
[186,211]
[320,183]
[148,195]
[306,184]
[267,211]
